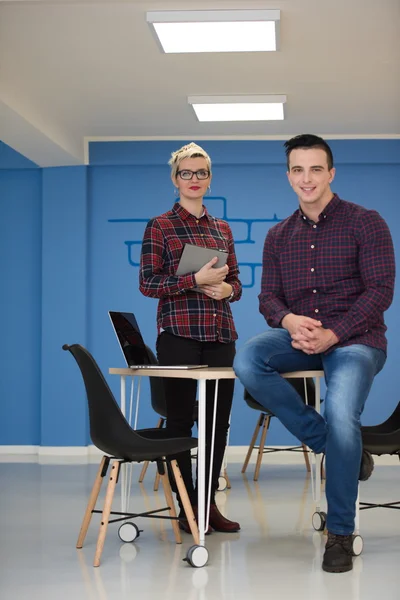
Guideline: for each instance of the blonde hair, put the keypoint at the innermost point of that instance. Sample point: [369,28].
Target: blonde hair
[191,150]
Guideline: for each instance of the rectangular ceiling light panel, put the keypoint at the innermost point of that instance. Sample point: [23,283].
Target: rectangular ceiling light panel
[216,31]
[225,108]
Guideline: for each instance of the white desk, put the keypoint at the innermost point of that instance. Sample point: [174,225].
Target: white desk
[202,375]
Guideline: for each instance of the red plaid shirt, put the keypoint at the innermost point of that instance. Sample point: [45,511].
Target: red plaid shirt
[339,270]
[181,310]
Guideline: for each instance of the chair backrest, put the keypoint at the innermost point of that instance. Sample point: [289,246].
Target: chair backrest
[109,429]
[391,425]
[297,383]
[157,391]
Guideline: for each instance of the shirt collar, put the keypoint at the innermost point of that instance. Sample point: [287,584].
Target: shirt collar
[327,212]
[185,214]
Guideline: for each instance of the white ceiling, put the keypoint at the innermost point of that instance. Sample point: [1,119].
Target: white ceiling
[75,70]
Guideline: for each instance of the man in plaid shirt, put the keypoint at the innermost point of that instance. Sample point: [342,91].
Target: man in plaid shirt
[328,276]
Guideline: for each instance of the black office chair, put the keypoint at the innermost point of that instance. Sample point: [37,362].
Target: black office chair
[263,422]
[383,439]
[112,434]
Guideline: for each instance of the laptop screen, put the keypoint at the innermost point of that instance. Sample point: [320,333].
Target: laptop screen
[129,337]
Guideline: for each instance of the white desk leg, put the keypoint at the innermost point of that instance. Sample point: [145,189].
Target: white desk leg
[201,460]
[123,395]
[128,467]
[122,473]
[223,474]
[209,482]
[357,519]
[318,456]
[318,394]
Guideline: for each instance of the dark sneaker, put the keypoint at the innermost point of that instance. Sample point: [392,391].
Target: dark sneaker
[367,466]
[338,557]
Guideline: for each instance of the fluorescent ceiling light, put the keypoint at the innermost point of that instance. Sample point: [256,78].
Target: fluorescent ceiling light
[238,108]
[216,30]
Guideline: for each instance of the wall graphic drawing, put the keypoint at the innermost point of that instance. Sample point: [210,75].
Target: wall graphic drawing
[246,239]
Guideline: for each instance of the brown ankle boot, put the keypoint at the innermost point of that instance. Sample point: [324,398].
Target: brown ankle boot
[220,523]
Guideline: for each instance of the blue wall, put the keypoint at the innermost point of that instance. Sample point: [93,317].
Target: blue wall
[72,241]
[10,159]
[64,304]
[20,302]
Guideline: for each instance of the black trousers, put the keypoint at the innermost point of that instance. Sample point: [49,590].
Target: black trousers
[181,399]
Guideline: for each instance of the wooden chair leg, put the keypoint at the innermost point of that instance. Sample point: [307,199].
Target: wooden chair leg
[170,501]
[143,471]
[159,425]
[260,421]
[92,502]
[306,458]
[267,419]
[156,482]
[112,482]
[187,507]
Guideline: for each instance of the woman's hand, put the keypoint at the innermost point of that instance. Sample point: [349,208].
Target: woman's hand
[218,291]
[210,276]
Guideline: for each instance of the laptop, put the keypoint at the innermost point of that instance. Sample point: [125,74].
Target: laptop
[132,344]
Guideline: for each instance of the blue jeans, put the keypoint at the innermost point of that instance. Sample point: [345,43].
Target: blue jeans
[349,373]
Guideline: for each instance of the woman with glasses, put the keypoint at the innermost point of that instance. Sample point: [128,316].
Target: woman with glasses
[194,319]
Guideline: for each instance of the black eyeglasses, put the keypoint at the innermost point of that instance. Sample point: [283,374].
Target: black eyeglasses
[200,174]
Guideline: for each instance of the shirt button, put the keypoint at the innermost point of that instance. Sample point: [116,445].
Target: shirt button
[312,270]
[202,234]
[314,227]
[314,291]
[214,315]
[197,221]
[312,246]
[324,216]
[316,310]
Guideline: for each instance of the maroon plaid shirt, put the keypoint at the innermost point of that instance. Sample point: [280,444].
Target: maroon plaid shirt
[181,310]
[339,270]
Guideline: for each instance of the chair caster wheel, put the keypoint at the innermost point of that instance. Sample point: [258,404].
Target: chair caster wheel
[197,556]
[128,532]
[319,520]
[222,483]
[358,545]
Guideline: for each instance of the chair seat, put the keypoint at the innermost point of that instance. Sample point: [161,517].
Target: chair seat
[380,443]
[147,444]
[257,406]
